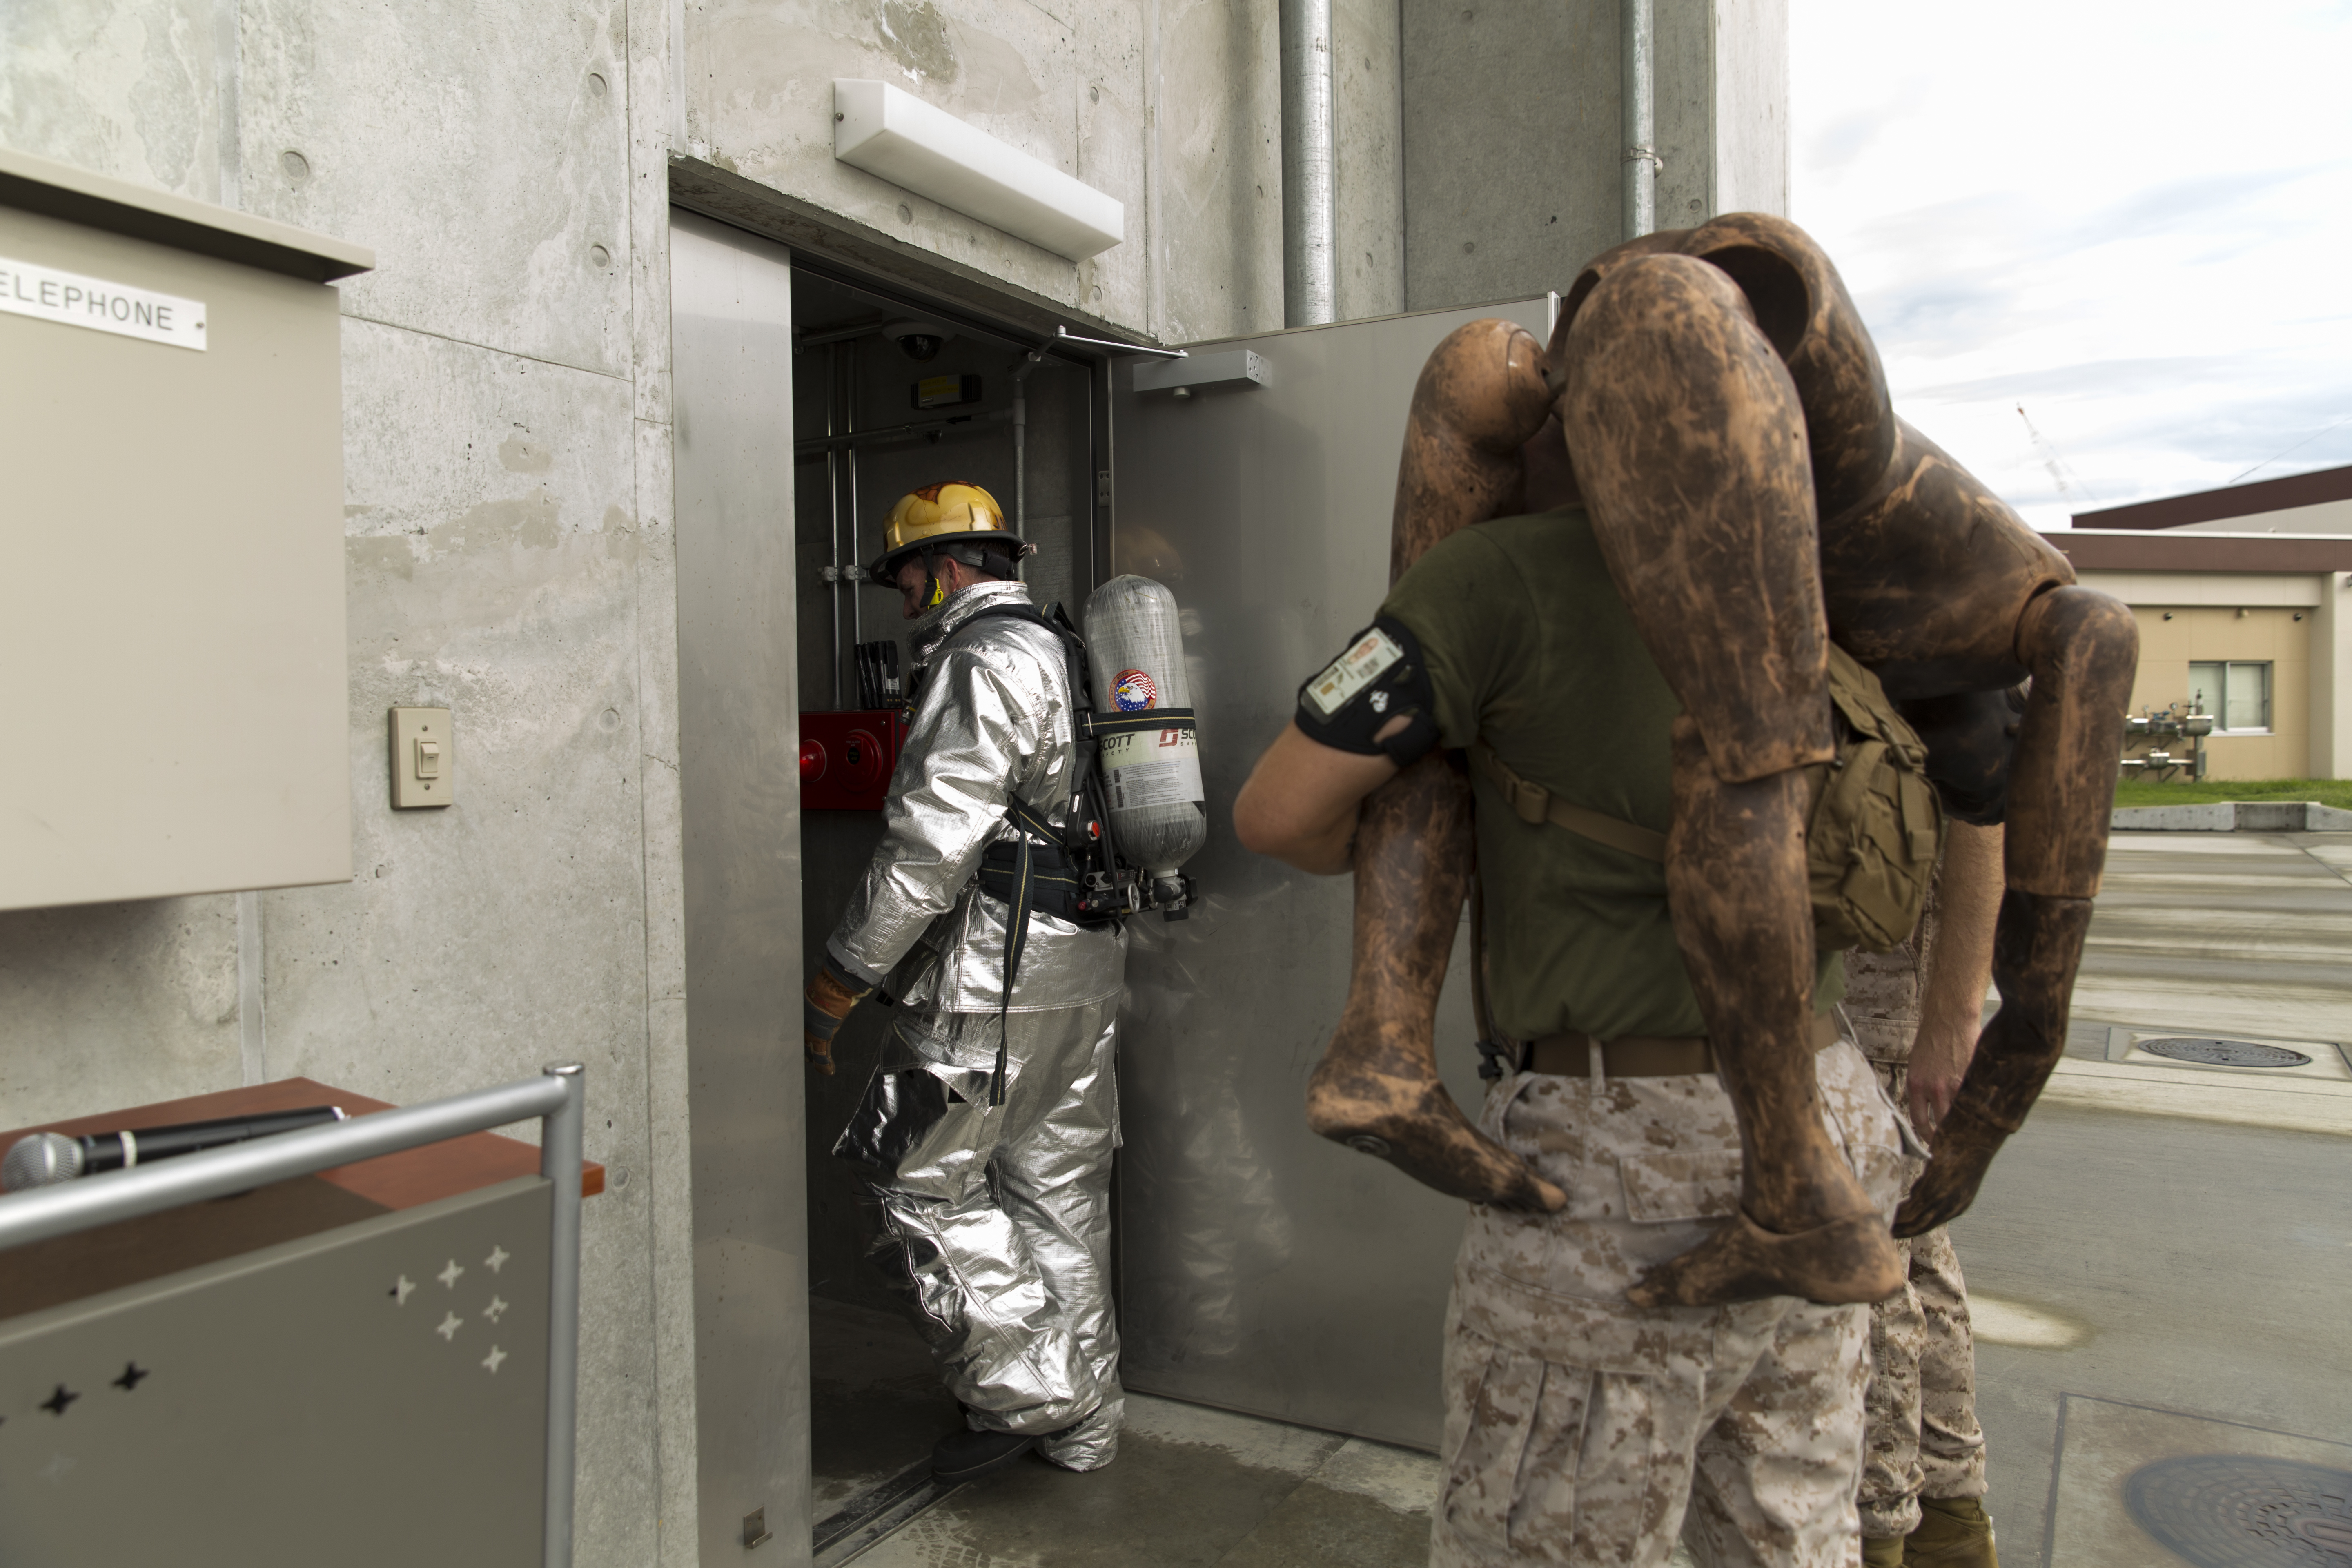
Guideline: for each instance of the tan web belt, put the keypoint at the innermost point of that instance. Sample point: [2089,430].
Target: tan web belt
[1533,803]
[1570,1055]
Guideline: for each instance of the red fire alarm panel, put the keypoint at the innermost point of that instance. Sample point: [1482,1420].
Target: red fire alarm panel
[846,758]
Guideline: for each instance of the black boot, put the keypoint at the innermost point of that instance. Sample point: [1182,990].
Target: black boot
[968,1455]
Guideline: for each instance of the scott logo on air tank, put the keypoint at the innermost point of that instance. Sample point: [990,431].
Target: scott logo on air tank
[1135,691]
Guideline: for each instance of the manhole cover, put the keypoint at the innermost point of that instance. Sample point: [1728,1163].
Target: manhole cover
[2224,1053]
[2239,1511]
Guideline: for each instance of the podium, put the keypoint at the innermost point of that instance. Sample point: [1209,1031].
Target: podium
[356,1344]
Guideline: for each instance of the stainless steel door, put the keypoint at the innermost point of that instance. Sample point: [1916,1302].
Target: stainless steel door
[1263,1269]
[739,804]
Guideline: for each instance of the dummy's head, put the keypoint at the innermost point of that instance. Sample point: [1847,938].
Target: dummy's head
[942,539]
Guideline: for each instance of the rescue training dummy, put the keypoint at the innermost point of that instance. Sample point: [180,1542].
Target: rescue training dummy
[1581,1428]
[983,1141]
[1811,580]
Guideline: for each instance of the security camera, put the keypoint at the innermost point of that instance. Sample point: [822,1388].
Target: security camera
[920,339]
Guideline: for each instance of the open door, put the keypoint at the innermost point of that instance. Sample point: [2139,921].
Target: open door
[738,814]
[1263,1269]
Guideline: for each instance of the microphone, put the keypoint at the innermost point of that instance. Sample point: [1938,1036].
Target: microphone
[44,1159]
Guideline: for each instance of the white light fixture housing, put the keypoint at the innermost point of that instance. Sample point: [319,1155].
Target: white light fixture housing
[898,136]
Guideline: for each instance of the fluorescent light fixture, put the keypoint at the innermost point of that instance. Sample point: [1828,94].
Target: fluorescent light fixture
[894,134]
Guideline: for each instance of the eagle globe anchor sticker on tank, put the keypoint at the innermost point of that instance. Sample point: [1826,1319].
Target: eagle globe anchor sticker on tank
[1150,757]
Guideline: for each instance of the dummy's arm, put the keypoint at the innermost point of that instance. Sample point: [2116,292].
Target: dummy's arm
[1299,805]
[1959,969]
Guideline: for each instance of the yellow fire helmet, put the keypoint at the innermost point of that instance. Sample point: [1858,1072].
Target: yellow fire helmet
[951,512]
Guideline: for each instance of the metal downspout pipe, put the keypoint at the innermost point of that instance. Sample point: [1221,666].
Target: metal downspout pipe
[1022,368]
[1638,36]
[832,466]
[1310,250]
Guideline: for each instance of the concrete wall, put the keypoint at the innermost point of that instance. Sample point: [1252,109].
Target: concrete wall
[1368,197]
[506,446]
[2331,678]
[510,547]
[1514,138]
[1171,106]
[508,537]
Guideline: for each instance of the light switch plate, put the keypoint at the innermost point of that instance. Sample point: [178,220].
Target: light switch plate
[423,762]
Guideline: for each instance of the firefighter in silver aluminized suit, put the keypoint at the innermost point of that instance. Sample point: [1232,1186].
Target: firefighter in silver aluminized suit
[994,1218]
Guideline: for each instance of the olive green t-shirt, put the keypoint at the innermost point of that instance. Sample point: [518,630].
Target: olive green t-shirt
[1530,649]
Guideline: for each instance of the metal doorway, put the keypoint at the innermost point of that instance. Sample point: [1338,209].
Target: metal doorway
[1263,1269]
[738,819]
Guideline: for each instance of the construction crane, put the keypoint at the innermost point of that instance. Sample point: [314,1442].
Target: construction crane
[2059,468]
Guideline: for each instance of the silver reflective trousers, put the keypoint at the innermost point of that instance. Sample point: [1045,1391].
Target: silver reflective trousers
[995,1222]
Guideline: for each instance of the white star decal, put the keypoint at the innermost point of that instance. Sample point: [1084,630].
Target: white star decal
[496,1259]
[496,1309]
[449,1328]
[60,1466]
[449,1276]
[400,1291]
[492,1360]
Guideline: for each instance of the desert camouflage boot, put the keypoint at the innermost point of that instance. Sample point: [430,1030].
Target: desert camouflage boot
[1954,1533]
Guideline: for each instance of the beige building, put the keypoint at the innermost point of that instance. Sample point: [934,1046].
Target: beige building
[2243,597]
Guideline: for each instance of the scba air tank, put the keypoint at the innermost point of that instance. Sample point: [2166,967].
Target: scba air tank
[1151,775]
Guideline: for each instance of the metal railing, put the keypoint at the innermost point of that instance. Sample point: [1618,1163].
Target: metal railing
[556,1096]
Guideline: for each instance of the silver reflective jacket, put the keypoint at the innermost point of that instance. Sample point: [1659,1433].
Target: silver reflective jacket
[993,720]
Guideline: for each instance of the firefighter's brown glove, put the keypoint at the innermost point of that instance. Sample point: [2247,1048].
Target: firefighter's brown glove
[823,1007]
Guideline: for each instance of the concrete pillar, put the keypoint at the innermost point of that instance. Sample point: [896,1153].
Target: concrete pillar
[1514,140]
[1368,125]
[2331,678]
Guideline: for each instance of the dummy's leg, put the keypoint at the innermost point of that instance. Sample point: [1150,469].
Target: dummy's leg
[1375,1088]
[2084,649]
[1479,399]
[1690,447]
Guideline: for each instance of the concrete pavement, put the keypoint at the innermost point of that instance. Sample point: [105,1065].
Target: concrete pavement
[2160,1259]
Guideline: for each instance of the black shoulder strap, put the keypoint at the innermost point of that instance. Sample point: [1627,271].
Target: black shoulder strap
[1073,653]
[1087,805]
[1028,821]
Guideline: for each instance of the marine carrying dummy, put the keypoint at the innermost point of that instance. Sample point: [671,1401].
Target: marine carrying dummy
[1876,833]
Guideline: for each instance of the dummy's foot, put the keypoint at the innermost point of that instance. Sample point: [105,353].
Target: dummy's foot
[1414,1125]
[967,1455]
[1965,1145]
[1845,1260]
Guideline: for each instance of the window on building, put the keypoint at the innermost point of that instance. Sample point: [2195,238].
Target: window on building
[2238,694]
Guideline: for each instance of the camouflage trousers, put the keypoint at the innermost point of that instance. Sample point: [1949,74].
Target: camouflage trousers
[1582,1429]
[1924,1440]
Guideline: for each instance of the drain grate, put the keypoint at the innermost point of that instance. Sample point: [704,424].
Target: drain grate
[2241,1511]
[2224,1053]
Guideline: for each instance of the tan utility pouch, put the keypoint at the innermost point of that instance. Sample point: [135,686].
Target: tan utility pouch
[1876,829]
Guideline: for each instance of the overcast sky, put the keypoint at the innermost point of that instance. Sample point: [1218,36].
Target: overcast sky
[2134,219]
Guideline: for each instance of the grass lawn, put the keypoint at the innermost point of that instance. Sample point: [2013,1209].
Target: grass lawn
[2194,791]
